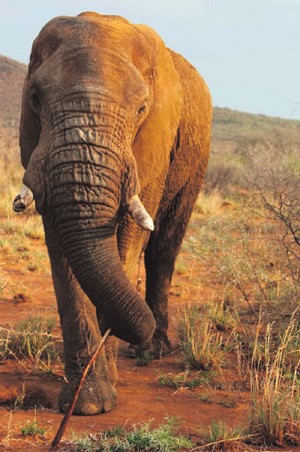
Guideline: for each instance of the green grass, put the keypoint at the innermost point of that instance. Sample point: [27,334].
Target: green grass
[141,437]
[145,359]
[33,429]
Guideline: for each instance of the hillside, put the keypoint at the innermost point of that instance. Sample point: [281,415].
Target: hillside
[12,75]
[233,130]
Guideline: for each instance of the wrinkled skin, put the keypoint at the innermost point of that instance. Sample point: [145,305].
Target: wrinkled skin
[109,113]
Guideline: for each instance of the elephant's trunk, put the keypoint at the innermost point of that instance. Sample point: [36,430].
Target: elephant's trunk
[83,198]
[97,267]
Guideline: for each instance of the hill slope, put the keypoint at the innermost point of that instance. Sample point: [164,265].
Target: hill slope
[234,129]
[12,74]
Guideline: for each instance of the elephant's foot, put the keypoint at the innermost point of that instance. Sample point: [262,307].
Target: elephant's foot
[158,347]
[161,346]
[97,395]
[89,401]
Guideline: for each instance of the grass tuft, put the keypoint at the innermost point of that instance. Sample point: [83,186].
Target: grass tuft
[32,338]
[33,429]
[221,316]
[144,359]
[201,345]
[275,417]
[222,437]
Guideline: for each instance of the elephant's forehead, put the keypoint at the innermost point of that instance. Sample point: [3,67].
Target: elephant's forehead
[91,29]
[96,34]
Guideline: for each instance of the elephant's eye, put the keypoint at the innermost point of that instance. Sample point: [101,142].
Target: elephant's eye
[35,101]
[142,109]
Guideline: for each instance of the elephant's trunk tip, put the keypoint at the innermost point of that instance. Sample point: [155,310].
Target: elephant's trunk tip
[140,214]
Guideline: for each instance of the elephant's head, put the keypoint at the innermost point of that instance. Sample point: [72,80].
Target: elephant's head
[94,110]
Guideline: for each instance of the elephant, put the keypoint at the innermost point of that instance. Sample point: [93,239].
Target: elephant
[114,138]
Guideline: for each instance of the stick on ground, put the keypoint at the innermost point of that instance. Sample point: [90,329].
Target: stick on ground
[69,413]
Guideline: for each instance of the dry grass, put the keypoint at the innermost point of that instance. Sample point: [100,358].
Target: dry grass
[201,345]
[209,204]
[31,339]
[221,437]
[275,417]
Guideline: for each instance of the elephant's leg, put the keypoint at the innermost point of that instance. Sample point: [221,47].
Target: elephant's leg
[81,335]
[111,351]
[160,256]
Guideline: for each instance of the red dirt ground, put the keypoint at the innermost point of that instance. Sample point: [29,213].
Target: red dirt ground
[140,397]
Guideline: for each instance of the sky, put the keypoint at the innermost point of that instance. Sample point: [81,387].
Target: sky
[247,50]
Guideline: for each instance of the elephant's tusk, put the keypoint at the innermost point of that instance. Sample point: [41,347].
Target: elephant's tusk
[140,214]
[23,199]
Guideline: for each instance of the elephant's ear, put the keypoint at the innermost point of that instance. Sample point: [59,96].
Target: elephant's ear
[153,143]
[30,126]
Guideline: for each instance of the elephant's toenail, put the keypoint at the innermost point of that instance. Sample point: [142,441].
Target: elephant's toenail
[108,406]
[90,408]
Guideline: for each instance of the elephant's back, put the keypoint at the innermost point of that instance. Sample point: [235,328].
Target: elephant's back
[192,146]
[195,90]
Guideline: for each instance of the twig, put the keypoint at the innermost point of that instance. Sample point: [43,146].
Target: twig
[69,413]
[229,440]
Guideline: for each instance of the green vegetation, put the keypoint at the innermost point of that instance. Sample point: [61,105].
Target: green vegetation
[145,358]
[33,429]
[184,380]
[142,437]
[239,138]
